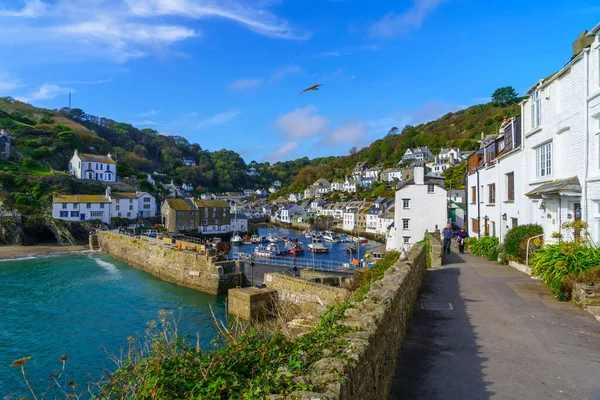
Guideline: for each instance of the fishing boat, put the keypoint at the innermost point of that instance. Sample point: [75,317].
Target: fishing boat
[264,239]
[273,248]
[255,239]
[273,238]
[352,248]
[345,239]
[360,239]
[296,249]
[247,240]
[236,239]
[262,251]
[317,246]
[307,234]
[332,237]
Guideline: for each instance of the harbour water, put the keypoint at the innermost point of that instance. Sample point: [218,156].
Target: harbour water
[85,306]
[337,251]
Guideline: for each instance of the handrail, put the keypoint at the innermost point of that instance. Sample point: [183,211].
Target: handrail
[529,240]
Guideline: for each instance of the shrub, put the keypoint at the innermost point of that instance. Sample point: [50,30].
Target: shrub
[515,241]
[29,162]
[558,265]
[487,246]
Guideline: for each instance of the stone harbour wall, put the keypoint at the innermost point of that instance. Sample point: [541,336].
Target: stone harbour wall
[436,248]
[183,267]
[379,324]
[301,291]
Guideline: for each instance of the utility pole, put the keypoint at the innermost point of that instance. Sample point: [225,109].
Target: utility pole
[69,100]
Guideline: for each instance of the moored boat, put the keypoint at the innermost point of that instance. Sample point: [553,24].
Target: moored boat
[317,246]
[262,251]
[247,240]
[255,239]
[236,240]
[296,249]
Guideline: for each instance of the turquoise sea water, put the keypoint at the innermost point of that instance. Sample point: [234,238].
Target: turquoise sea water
[85,306]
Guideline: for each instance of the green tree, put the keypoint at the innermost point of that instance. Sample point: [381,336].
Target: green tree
[505,96]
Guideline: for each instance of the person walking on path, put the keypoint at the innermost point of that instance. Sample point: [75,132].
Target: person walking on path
[447,236]
[462,240]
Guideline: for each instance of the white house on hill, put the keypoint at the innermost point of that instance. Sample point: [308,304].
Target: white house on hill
[421,205]
[93,167]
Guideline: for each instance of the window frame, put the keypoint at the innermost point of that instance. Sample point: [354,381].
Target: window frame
[543,155]
[510,186]
[430,189]
[492,193]
[406,204]
[405,224]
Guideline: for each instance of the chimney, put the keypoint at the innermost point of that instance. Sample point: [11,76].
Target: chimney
[76,152]
[109,155]
[107,194]
[482,135]
[419,176]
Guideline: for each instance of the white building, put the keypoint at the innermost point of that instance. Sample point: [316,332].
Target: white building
[372,173]
[553,176]
[420,206]
[337,186]
[131,205]
[349,185]
[239,222]
[350,219]
[288,212]
[394,174]
[189,162]
[418,154]
[295,197]
[81,208]
[372,217]
[322,186]
[252,172]
[187,187]
[384,222]
[150,180]
[93,167]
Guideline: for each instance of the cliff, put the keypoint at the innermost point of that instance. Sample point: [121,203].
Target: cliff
[26,231]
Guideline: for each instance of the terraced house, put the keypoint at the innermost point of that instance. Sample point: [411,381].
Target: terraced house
[81,207]
[180,215]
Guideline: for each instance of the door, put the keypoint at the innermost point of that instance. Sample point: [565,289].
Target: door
[82,217]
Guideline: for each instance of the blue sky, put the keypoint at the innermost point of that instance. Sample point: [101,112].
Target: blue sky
[227,73]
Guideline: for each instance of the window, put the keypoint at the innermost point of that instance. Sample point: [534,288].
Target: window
[74,214]
[146,199]
[406,239]
[75,206]
[88,205]
[119,214]
[146,206]
[405,223]
[64,206]
[492,193]
[101,177]
[406,203]
[118,207]
[64,214]
[536,109]
[96,165]
[474,225]
[473,194]
[544,160]
[89,175]
[128,215]
[96,214]
[101,205]
[130,208]
[515,222]
[130,201]
[102,166]
[430,189]
[510,186]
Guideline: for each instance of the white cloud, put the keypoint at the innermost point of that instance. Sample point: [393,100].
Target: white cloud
[352,131]
[243,84]
[281,153]
[218,119]
[394,24]
[45,92]
[256,19]
[9,84]
[150,113]
[301,122]
[97,82]
[145,122]
[31,9]
[121,30]
[282,72]
[346,51]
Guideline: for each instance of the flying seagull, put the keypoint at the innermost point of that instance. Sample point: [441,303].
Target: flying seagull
[315,87]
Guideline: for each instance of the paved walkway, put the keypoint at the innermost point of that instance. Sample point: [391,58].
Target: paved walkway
[506,338]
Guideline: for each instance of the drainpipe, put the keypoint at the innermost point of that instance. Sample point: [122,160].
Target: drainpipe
[478,199]
[584,199]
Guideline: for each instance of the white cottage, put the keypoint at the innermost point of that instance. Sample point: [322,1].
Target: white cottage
[93,167]
[81,207]
[420,206]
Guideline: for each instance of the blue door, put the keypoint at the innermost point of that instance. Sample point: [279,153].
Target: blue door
[82,217]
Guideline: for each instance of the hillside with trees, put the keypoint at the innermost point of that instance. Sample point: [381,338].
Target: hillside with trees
[45,140]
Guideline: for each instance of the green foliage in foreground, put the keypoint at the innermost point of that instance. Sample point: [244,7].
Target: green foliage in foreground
[515,241]
[558,265]
[486,246]
[248,367]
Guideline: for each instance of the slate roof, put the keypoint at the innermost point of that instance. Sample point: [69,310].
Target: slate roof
[211,203]
[558,187]
[96,158]
[80,198]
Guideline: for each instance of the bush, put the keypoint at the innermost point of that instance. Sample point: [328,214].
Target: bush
[515,241]
[487,246]
[558,265]
[29,163]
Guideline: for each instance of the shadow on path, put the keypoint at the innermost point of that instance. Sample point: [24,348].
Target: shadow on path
[439,358]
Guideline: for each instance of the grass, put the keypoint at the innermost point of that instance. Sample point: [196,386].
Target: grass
[37,171]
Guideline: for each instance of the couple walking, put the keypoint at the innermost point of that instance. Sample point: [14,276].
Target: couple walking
[461,238]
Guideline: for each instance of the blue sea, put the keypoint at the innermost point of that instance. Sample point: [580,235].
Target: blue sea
[85,306]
